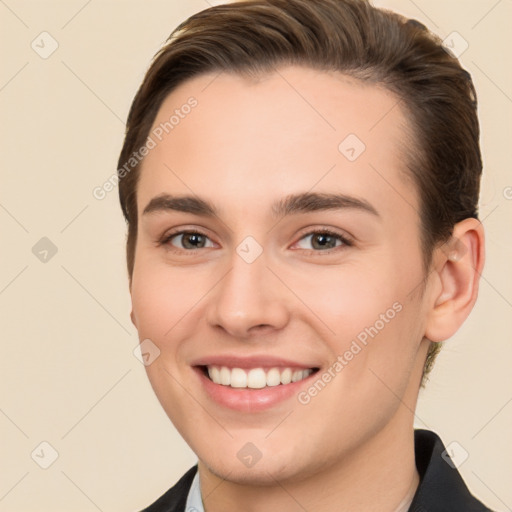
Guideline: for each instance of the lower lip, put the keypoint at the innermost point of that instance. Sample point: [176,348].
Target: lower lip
[250,400]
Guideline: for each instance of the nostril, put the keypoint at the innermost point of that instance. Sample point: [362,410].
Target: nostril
[262,327]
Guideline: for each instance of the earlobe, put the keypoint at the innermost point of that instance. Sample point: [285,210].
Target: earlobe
[459,264]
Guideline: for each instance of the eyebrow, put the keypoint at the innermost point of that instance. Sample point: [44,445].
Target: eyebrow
[290,205]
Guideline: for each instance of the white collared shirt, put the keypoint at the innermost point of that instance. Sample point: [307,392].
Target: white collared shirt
[194,500]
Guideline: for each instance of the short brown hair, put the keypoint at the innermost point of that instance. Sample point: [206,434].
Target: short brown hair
[350,36]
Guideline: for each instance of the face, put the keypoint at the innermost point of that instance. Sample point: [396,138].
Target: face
[278,270]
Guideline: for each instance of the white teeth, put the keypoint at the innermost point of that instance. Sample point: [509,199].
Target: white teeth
[256,378]
[238,378]
[286,376]
[225,376]
[214,373]
[273,377]
[296,375]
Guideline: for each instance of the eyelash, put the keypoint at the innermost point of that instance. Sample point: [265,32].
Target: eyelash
[346,242]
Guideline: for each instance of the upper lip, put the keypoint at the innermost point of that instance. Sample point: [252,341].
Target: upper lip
[257,361]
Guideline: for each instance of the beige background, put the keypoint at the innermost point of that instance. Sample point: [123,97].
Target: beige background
[69,375]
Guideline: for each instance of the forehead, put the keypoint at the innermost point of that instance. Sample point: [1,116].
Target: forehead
[288,131]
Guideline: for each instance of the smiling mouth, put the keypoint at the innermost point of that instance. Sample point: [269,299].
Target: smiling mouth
[255,378]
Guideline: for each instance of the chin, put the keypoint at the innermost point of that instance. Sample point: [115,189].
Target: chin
[261,474]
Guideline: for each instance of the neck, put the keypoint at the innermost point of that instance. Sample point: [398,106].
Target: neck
[405,504]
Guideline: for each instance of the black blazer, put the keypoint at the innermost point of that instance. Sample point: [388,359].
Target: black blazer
[441,487]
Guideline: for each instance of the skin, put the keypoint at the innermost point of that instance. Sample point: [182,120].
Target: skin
[247,144]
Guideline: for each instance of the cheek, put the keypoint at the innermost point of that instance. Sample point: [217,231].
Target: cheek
[161,299]
[352,301]
[162,302]
[373,323]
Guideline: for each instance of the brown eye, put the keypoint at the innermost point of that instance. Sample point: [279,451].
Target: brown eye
[189,240]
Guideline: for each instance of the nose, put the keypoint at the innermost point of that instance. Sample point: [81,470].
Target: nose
[249,300]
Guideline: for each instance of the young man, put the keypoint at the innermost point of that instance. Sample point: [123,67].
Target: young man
[300,180]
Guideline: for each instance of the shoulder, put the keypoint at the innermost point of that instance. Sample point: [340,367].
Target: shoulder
[441,486]
[175,498]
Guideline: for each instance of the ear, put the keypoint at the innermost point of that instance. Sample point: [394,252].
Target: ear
[458,265]
[132,313]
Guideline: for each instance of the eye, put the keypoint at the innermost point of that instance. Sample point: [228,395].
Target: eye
[323,240]
[187,240]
